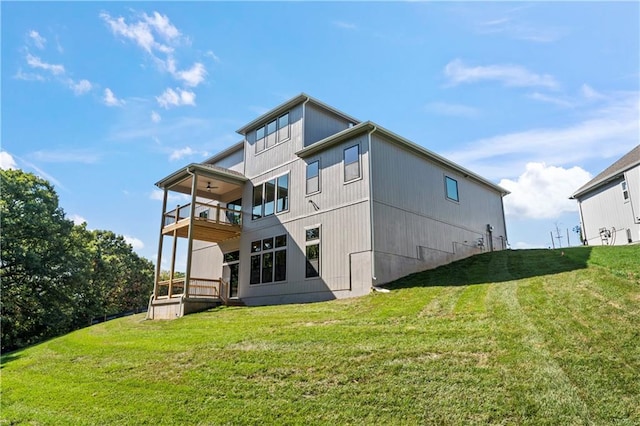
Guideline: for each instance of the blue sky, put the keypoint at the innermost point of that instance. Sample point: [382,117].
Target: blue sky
[105,99]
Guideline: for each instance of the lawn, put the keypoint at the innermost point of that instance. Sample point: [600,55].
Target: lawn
[514,337]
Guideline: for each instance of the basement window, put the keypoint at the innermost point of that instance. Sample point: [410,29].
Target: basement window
[269,260]
[312,251]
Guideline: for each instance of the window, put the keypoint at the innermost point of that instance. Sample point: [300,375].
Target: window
[625,191]
[256,212]
[283,127]
[352,163]
[272,133]
[312,250]
[260,139]
[451,186]
[313,177]
[282,201]
[269,260]
[271,197]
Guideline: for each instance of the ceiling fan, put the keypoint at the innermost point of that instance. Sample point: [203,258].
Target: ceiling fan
[209,187]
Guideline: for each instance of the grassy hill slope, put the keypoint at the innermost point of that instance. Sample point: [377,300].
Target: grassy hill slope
[525,336]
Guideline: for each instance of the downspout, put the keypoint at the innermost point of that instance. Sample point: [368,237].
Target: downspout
[582,225]
[373,252]
[504,221]
[187,275]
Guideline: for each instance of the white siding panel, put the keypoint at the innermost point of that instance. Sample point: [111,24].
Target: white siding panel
[606,209]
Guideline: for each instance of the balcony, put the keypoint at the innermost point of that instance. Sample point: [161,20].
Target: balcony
[211,223]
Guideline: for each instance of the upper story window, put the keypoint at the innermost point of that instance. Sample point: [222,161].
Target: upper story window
[260,139]
[352,163]
[313,177]
[273,132]
[625,191]
[283,127]
[451,187]
[270,197]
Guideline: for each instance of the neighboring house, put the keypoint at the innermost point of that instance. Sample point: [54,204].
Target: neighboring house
[314,205]
[610,203]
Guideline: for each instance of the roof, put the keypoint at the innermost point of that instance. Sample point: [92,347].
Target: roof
[282,108]
[614,171]
[215,172]
[369,126]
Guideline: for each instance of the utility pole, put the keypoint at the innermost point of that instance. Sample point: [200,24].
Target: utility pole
[568,242]
[552,242]
[558,236]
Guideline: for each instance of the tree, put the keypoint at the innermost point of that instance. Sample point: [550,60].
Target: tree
[56,276]
[38,260]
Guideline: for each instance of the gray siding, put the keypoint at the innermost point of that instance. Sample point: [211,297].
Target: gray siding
[279,154]
[343,214]
[605,208]
[234,161]
[320,124]
[416,227]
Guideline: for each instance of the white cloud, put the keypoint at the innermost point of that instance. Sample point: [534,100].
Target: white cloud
[77,219]
[136,243]
[81,87]
[162,26]
[155,117]
[589,93]
[558,101]
[139,32]
[180,153]
[607,132]
[345,25]
[7,161]
[509,75]
[110,99]
[20,75]
[172,97]
[193,76]
[456,110]
[37,39]
[212,55]
[36,62]
[543,191]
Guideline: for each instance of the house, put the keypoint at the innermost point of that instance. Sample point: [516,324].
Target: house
[610,203]
[313,205]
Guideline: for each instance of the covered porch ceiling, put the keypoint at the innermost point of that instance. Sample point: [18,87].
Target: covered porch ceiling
[213,182]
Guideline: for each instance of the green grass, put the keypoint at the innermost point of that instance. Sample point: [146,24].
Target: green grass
[515,337]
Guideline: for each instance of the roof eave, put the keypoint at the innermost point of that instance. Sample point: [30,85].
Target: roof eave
[186,171]
[282,108]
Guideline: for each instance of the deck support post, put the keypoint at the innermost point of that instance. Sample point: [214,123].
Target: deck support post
[173,259]
[187,277]
[160,241]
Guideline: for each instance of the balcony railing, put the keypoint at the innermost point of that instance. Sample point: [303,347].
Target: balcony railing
[198,288]
[205,212]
